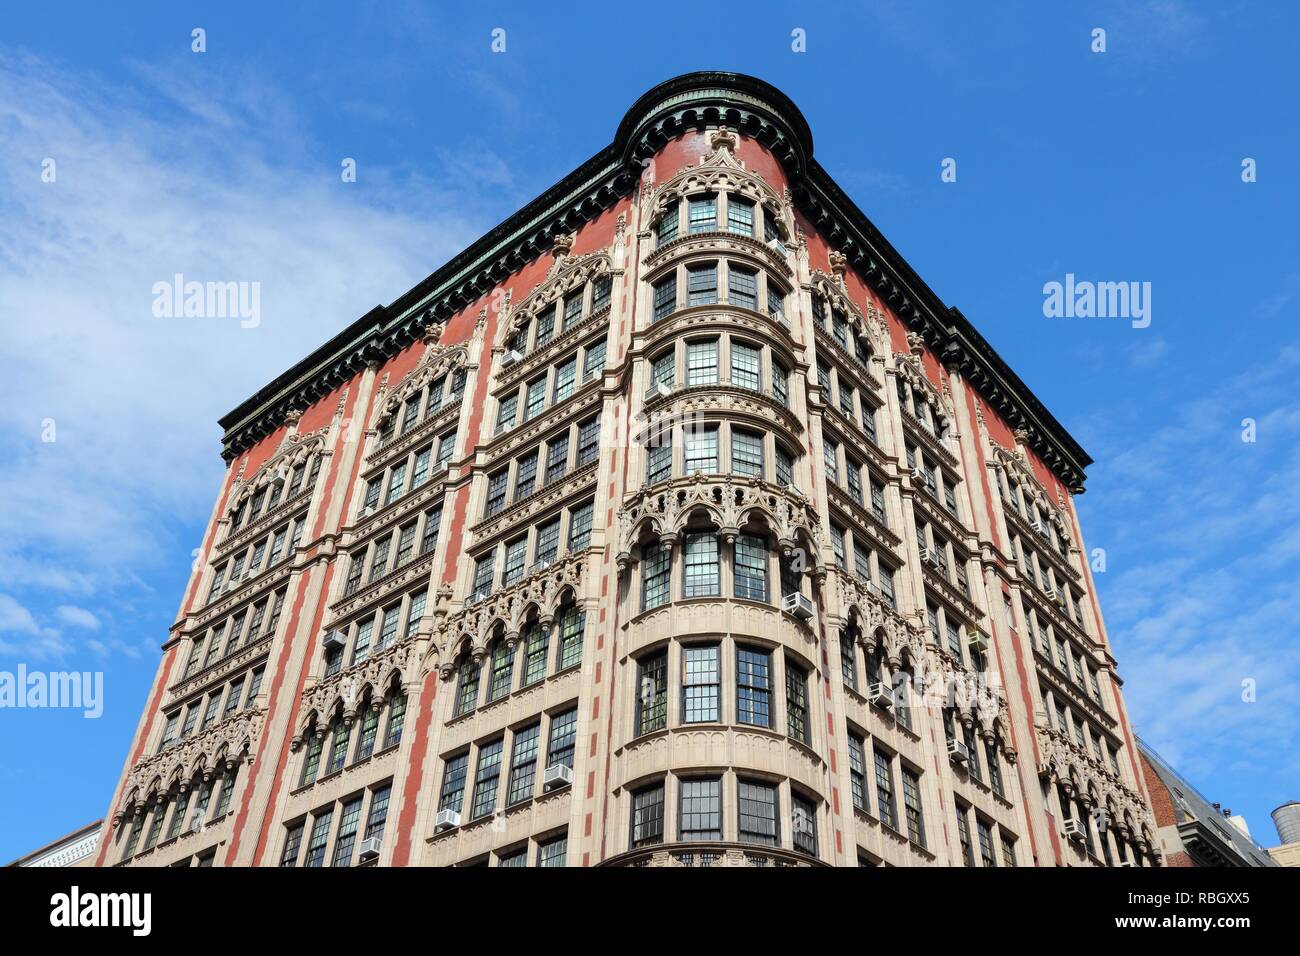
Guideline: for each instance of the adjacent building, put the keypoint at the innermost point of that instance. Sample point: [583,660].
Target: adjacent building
[675,522]
[75,849]
[1194,831]
[1287,820]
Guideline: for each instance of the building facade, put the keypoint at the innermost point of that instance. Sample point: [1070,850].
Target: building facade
[674,522]
[1192,830]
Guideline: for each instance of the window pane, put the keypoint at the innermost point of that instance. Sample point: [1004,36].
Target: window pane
[757,811]
[701,810]
[700,684]
[702,567]
[753,687]
[744,366]
[648,816]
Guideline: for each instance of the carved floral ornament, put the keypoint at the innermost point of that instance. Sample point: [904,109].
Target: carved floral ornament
[438,360]
[936,675]
[911,369]
[295,450]
[869,325]
[221,747]
[732,504]
[1020,474]
[566,275]
[719,171]
[1086,778]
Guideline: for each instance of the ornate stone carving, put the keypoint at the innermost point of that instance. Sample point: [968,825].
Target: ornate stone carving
[1086,777]
[1014,464]
[732,503]
[342,693]
[470,629]
[221,745]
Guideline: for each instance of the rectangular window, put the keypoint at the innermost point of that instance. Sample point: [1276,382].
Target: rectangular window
[702,450]
[536,398]
[745,360]
[963,836]
[545,327]
[648,816]
[554,852]
[565,376]
[593,360]
[580,520]
[572,310]
[525,476]
[701,684]
[803,825]
[837,547]
[320,832]
[369,731]
[659,463]
[233,698]
[858,771]
[421,473]
[496,492]
[756,806]
[292,843]
[652,693]
[753,687]
[548,543]
[447,445]
[379,566]
[523,764]
[796,701]
[573,623]
[885,790]
[405,545]
[667,227]
[742,287]
[702,363]
[700,816]
[912,806]
[702,214]
[656,562]
[432,522]
[588,441]
[848,660]
[485,779]
[830,457]
[345,841]
[702,285]
[506,413]
[600,292]
[557,457]
[503,669]
[378,813]
[535,639]
[339,747]
[751,568]
[740,216]
[854,473]
[665,297]
[410,414]
[564,734]
[396,482]
[354,572]
[467,680]
[784,467]
[452,795]
[780,384]
[985,835]
[701,563]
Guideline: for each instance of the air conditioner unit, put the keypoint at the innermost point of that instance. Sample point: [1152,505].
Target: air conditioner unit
[776,245]
[1127,863]
[881,694]
[926,555]
[447,820]
[958,752]
[369,849]
[511,357]
[979,642]
[543,564]
[197,825]
[1051,594]
[556,776]
[657,390]
[798,604]
[335,641]
[1075,831]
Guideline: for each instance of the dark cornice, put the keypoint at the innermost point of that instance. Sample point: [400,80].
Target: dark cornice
[692,101]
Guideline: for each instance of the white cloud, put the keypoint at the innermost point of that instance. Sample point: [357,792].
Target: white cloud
[77,617]
[15,618]
[145,190]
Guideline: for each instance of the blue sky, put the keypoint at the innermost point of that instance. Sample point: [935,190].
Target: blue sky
[1118,166]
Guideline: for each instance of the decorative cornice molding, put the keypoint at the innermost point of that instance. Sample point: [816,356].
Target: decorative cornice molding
[753,109]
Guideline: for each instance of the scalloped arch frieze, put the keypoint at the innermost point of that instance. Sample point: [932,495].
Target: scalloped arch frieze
[567,275]
[231,740]
[1085,777]
[542,592]
[730,502]
[869,325]
[342,694]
